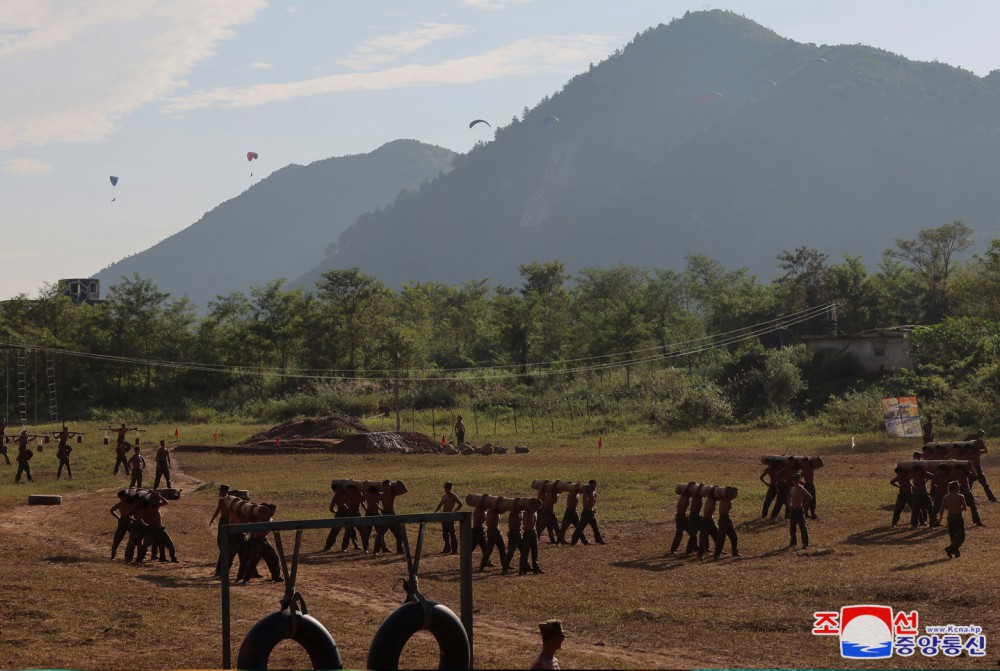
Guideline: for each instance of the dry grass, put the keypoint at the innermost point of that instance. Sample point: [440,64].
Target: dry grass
[624,604]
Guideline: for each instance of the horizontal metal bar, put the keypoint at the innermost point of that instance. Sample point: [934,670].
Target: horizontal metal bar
[335,522]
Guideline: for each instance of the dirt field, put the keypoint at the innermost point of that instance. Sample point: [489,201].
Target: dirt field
[624,604]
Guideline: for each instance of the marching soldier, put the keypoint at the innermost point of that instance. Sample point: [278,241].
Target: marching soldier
[513,538]
[589,516]
[954,503]
[24,455]
[529,543]
[62,452]
[726,528]
[162,465]
[680,517]
[257,548]
[388,508]
[493,537]
[569,517]
[3,439]
[798,501]
[905,495]
[547,515]
[449,502]
[137,464]
[708,529]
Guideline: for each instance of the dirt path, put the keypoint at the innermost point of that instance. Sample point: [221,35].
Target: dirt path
[74,539]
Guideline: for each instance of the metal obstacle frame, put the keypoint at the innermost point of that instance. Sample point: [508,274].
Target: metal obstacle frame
[465,557]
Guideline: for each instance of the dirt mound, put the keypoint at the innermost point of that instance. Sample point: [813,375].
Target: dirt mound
[331,426]
[391,442]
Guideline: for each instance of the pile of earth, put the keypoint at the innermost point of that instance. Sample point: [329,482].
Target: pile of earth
[331,426]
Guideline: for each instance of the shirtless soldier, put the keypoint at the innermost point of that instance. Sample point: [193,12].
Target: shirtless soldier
[449,502]
[708,529]
[370,504]
[62,452]
[680,517]
[770,470]
[338,510]
[589,516]
[547,515]
[155,533]
[352,505]
[162,465]
[24,456]
[3,439]
[137,464]
[529,543]
[798,500]
[569,517]
[120,511]
[235,540]
[905,495]
[513,538]
[726,527]
[693,521]
[493,537]
[388,508]
[478,520]
[552,640]
[921,510]
[954,503]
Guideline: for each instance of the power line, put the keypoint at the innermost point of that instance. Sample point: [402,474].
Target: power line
[549,368]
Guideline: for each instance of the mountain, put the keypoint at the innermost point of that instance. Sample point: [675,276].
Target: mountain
[709,135]
[281,226]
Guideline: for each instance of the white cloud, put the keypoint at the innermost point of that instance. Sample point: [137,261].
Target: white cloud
[551,54]
[257,65]
[26,166]
[388,48]
[79,68]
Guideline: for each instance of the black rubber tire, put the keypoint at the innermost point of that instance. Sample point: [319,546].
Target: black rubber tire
[170,494]
[264,636]
[408,619]
[44,499]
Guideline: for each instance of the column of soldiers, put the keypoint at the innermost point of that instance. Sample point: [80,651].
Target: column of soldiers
[694,515]
[248,548]
[348,501]
[925,507]
[138,515]
[779,472]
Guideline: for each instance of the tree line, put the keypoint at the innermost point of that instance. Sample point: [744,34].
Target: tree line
[352,335]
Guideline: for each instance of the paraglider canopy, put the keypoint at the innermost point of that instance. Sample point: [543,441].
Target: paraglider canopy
[818,61]
[711,95]
[251,155]
[473,123]
[768,82]
[550,120]
[114,180]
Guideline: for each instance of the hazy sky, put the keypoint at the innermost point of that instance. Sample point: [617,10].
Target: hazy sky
[170,95]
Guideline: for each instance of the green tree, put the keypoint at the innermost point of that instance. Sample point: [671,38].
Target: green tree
[932,256]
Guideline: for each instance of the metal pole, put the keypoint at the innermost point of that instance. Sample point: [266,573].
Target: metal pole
[513,409]
[227,662]
[398,356]
[465,577]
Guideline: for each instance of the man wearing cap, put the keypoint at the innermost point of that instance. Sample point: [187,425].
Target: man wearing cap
[954,503]
[798,500]
[552,640]
[976,457]
[137,465]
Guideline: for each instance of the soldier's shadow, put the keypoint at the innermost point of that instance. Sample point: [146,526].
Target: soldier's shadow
[659,564]
[175,581]
[919,565]
[888,535]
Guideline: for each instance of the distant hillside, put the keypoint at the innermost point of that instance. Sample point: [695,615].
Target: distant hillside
[711,135]
[282,226]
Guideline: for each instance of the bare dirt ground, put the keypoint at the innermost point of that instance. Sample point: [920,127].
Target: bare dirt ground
[624,604]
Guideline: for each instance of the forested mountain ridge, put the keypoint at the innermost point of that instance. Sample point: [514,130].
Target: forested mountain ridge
[281,226]
[709,135]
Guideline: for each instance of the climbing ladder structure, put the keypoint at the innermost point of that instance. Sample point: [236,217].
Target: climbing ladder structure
[50,373]
[22,385]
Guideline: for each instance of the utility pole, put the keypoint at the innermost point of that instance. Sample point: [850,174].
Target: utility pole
[398,356]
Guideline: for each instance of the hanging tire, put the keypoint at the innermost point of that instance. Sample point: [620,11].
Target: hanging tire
[264,636]
[44,499]
[170,494]
[408,619]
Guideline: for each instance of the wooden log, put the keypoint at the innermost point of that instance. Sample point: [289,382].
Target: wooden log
[932,465]
[256,512]
[686,488]
[562,486]
[767,459]
[240,493]
[504,504]
[361,485]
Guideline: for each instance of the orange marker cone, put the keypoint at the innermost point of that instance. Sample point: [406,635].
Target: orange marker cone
[600,442]
[277,440]
[177,433]
[443,441]
[215,436]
